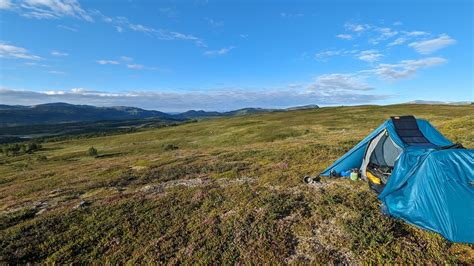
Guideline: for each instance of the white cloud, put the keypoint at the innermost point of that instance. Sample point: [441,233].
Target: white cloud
[416,33]
[244,36]
[397,23]
[429,46]
[107,19]
[382,34]
[122,23]
[127,61]
[141,28]
[11,51]
[58,53]
[339,84]
[405,68]
[135,66]
[407,35]
[51,92]
[398,41]
[143,67]
[356,27]
[370,56]
[35,64]
[386,32]
[126,58]
[87,92]
[336,83]
[172,35]
[331,53]
[51,9]
[344,36]
[78,90]
[331,83]
[219,52]
[107,62]
[378,34]
[5,4]
[56,9]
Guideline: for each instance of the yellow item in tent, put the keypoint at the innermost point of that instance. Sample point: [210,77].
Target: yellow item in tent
[373,178]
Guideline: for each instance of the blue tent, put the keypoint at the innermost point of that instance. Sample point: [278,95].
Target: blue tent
[422,177]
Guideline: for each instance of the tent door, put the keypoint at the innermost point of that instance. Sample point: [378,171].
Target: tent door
[381,152]
[368,152]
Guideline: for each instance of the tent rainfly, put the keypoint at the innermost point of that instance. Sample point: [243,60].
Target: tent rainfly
[421,177]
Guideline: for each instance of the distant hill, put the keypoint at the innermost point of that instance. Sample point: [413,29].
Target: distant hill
[244,111]
[11,107]
[439,102]
[63,112]
[191,114]
[304,107]
[248,111]
[54,113]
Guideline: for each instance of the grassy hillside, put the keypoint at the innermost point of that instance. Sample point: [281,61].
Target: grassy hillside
[220,190]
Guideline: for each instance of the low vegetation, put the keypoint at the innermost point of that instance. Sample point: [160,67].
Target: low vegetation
[19,148]
[92,151]
[75,130]
[224,190]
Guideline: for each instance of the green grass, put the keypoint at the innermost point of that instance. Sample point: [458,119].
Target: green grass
[224,190]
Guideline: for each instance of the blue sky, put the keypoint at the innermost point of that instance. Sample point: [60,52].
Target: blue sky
[221,55]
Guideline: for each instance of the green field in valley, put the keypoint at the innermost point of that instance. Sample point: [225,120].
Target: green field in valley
[223,190]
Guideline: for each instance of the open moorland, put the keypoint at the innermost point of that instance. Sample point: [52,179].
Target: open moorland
[221,190]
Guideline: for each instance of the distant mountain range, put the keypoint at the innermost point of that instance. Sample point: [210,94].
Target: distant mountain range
[53,113]
[438,102]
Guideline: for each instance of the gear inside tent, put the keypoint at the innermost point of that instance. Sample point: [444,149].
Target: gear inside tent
[379,160]
[419,175]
